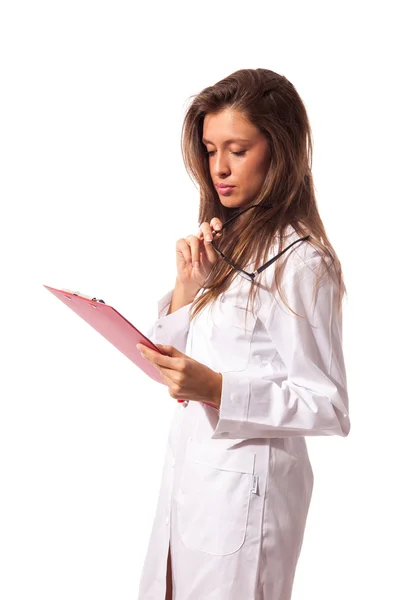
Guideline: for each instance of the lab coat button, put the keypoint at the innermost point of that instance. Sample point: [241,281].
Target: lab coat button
[159,326]
[167,521]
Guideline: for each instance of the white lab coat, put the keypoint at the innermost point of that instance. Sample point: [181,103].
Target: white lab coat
[237,484]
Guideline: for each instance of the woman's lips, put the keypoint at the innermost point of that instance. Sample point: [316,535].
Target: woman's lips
[225,189]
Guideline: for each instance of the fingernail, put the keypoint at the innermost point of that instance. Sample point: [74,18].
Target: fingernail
[196,264]
[217,227]
[208,238]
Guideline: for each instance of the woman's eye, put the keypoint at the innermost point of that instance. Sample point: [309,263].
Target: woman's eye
[241,153]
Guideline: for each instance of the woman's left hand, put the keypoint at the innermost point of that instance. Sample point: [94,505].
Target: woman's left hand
[186,378]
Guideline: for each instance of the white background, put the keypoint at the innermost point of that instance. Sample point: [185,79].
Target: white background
[94,195]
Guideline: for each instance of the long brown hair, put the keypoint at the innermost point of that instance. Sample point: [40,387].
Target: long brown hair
[270,102]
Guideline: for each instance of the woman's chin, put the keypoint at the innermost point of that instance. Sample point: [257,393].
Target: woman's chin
[234,202]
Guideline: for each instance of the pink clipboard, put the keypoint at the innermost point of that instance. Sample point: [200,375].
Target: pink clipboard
[113,326]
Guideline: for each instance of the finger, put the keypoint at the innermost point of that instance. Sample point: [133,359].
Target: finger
[216,223]
[170,350]
[212,229]
[165,375]
[211,254]
[206,230]
[194,246]
[183,248]
[156,358]
[166,378]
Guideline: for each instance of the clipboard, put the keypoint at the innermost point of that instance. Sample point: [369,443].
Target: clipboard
[113,326]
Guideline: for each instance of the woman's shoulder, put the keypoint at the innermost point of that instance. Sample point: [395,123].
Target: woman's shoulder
[301,253]
[298,255]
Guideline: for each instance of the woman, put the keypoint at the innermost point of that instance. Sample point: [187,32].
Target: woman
[237,480]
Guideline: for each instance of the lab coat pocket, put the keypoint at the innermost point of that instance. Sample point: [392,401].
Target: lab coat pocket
[231,334]
[213,498]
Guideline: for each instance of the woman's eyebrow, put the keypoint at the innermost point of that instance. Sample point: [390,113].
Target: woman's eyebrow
[227,141]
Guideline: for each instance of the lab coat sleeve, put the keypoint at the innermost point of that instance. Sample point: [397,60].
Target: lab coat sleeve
[311,397]
[172,329]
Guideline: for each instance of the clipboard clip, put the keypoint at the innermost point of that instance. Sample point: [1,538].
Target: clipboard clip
[82,295]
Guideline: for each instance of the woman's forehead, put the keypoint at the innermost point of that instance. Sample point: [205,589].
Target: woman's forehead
[227,126]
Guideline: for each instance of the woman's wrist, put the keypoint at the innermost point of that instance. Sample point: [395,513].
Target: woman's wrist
[181,296]
[189,292]
[217,390]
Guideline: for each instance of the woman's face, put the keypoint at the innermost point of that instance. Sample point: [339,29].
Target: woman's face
[238,155]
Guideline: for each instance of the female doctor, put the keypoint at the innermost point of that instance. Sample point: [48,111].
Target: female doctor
[253,336]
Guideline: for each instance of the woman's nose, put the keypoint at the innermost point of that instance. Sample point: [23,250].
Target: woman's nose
[221,167]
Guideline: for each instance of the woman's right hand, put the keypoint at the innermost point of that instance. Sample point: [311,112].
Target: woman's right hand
[195,256]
